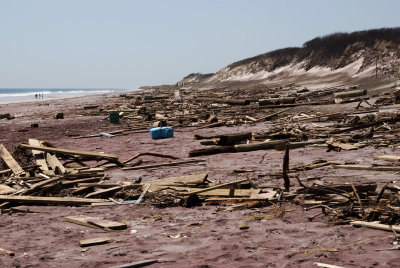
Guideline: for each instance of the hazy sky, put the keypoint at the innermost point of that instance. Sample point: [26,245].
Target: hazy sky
[126,44]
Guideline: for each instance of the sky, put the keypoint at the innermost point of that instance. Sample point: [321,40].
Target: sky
[129,43]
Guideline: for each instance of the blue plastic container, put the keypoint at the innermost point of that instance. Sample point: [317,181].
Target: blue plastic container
[161,132]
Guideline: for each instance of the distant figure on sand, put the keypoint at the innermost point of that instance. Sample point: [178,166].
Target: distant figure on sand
[36,96]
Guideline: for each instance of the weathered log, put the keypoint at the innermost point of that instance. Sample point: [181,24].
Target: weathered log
[165,164]
[212,150]
[237,148]
[231,139]
[287,100]
[227,101]
[259,146]
[269,101]
[391,158]
[353,93]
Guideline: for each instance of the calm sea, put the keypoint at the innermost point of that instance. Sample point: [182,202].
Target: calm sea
[8,95]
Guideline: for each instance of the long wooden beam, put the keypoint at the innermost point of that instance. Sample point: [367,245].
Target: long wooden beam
[68,152]
[68,201]
[378,226]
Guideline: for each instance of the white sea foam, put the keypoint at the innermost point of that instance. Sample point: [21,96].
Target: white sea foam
[22,95]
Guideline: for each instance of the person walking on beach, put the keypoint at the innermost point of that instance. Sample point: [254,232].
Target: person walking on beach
[36,96]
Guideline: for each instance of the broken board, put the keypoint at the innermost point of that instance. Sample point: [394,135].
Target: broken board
[97,223]
[38,155]
[10,161]
[95,241]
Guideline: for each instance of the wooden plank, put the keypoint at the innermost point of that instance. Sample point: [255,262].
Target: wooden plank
[38,155]
[164,164]
[325,265]
[365,167]
[103,192]
[38,186]
[344,146]
[218,186]
[391,158]
[68,201]
[66,184]
[195,179]
[55,164]
[215,192]
[68,152]
[151,154]
[266,196]
[96,223]
[5,189]
[136,264]
[378,226]
[10,161]
[95,241]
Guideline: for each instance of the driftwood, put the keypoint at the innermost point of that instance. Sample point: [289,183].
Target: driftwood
[136,264]
[217,186]
[95,241]
[227,101]
[267,117]
[391,158]
[353,93]
[68,201]
[96,223]
[10,161]
[286,169]
[374,225]
[226,139]
[236,148]
[97,156]
[152,154]
[231,139]
[38,155]
[188,180]
[164,164]
[367,125]
[365,167]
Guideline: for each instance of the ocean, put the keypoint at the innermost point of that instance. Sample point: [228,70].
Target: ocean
[9,95]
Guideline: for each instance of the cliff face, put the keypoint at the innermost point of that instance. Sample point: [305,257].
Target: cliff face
[354,55]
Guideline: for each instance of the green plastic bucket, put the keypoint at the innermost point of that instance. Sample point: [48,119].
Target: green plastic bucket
[114,118]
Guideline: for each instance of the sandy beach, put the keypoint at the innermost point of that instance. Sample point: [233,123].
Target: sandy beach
[205,236]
